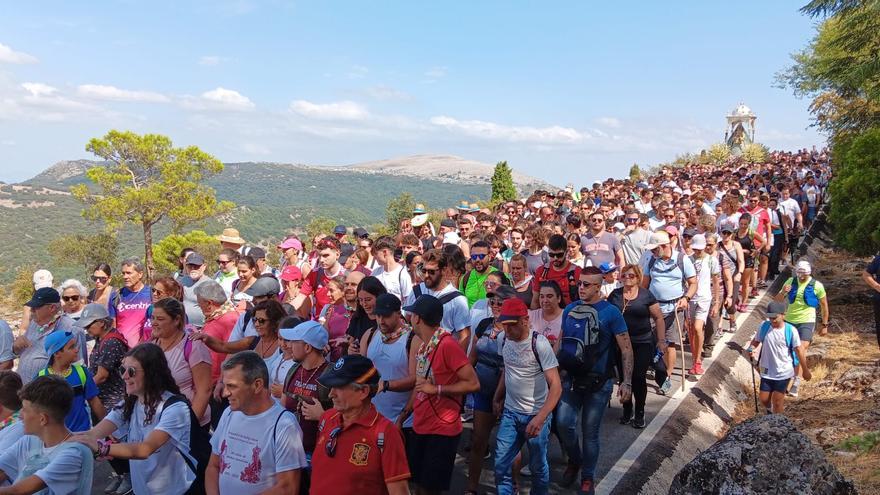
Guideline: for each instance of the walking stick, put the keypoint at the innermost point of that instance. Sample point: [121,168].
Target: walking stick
[754,385]
[681,340]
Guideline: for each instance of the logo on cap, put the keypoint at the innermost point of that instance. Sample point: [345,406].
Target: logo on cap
[339,364]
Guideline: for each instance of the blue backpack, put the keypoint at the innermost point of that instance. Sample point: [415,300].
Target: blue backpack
[579,346]
[789,340]
[809,293]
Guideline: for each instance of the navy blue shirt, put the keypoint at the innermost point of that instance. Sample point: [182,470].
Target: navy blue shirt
[874,269]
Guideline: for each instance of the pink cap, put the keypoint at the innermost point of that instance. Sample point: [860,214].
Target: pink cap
[291,242]
[291,273]
[671,230]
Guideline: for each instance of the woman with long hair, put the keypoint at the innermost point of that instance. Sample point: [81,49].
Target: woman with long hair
[148,421]
[640,308]
[189,360]
[547,319]
[103,291]
[267,321]
[247,275]
[335,319]
[363,319]
[573,246]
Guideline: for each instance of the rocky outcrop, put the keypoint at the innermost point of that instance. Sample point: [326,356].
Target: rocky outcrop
[764,455]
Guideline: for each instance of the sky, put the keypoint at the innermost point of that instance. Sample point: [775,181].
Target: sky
[564,91]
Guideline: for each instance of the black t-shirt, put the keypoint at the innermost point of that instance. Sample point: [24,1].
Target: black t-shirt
[636,314]
[359,325]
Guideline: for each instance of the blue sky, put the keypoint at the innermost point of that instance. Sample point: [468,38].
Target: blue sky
[566,91]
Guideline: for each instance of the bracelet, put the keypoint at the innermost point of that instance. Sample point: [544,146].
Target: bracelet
[439,389]
[103,449]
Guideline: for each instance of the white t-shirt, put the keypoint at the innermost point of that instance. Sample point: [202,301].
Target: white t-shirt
[253,448]
[396,282]
[525,383]
[456,315]
[775,362]
[66,468]
[165,471]
[706,267]
[791,208]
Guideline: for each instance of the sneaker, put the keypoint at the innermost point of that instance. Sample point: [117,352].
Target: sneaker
[572,471]
[698,368]
[587,487]
[692,371]
[124,485]
[467,416]
[638,421]
[666,387]
[112,483]
[795,385]
[525,471]
[732,328]
[626,417]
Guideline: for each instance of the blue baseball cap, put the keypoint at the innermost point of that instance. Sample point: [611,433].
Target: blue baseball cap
[607,267]
[311,332]
[56,341]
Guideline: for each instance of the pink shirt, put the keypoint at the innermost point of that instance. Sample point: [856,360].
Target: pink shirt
[181,369]
[550,329]
[219,328]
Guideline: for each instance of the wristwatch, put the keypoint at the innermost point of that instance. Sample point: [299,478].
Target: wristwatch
[386,386]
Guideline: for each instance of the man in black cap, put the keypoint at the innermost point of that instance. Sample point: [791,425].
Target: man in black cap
[46,318]
[193,276]
[391,352]
[358,450]
[259,256]
[444,375]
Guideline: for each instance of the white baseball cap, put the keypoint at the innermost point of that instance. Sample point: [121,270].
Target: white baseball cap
[698,242]
[803,266]
[42,278]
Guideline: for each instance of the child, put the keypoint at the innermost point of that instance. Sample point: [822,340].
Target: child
[780,352]
[45,458]
[61,347]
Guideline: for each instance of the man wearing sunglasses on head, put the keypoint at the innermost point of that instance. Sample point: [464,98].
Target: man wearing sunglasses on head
[358,449]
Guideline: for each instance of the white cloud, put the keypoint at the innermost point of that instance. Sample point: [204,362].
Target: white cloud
[387,93]
[436,72]
[211,60]
[612,122]
[38,90]
[228,99]
[101,92]
[340,110]
[357,72]
[10,56]
[490,130]
[255,149]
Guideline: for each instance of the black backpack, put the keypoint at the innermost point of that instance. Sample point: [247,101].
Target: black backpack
[199,446]
[445,298]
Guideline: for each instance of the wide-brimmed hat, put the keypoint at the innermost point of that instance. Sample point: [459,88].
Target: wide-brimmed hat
[231,236]
[419,209]
[419,220]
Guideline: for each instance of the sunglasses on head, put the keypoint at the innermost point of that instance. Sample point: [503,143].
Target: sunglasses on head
[69,298]
[127,371]
[103,280]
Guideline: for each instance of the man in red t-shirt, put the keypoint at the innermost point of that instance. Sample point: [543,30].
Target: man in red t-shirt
[761,225]
[358,449]
[443,377]
[560,270]
[328,268]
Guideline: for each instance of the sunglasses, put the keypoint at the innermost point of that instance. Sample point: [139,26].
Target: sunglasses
[629,275]
[597,219]
[330,448]
[224,262]
[69,298]
[128,371]
[586,284]
[429,271]
[158,292]
[477,257]
[556,254]
[260,321]
[632,220]
[103,280]
[496,301]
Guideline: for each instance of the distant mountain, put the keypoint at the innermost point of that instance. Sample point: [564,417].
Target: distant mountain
[271,199]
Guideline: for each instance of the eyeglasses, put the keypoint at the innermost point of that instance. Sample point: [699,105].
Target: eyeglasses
[69,298]
[224,262]
[429,271]
[632,220]
[584,285]
[669,216]
[556,254]
[496,301]
[477,257]
[330,448]
[629,275]
[260,321]
[158,292]
[597,219]
[103,280]
[128,371]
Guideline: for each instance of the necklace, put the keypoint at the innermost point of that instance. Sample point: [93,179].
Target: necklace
[264,346]
[394,335]
[174,343]
[426,349]
[627,301]
[10,420]
[62,375]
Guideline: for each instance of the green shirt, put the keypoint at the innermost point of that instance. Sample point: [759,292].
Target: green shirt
[476,285]
[799,311]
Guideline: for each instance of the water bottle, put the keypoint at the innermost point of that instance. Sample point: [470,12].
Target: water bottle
[658,354]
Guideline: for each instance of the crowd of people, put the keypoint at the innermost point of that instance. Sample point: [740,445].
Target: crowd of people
[353,365]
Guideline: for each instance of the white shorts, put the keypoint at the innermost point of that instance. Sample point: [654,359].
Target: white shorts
[699,309]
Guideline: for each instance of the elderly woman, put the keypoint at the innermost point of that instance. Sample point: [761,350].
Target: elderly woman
[220,317]
[106,356]
[73,297]
[188,359]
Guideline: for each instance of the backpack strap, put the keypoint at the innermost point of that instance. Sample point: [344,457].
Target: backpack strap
[464,281]
[483,325]
[193,423]
[187,348]
[275,428]
[572,282]
[417,291]
[445,298]
[81,373]
[789,342]
[534,348]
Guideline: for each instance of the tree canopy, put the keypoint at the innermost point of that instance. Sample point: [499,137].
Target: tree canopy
[503,188]
[148,180]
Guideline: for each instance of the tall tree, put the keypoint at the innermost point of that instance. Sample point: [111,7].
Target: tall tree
[398,209]
[503,188]
[635,173]
[148,180]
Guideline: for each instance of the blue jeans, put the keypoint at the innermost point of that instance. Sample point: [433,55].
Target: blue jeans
[509,441]
[591,407]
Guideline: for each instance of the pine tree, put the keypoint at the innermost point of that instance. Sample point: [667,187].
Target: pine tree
[503,188]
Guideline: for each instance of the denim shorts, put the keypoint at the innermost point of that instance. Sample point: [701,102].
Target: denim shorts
[780,386]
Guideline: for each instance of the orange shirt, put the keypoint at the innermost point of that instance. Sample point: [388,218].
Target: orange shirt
[358,464]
